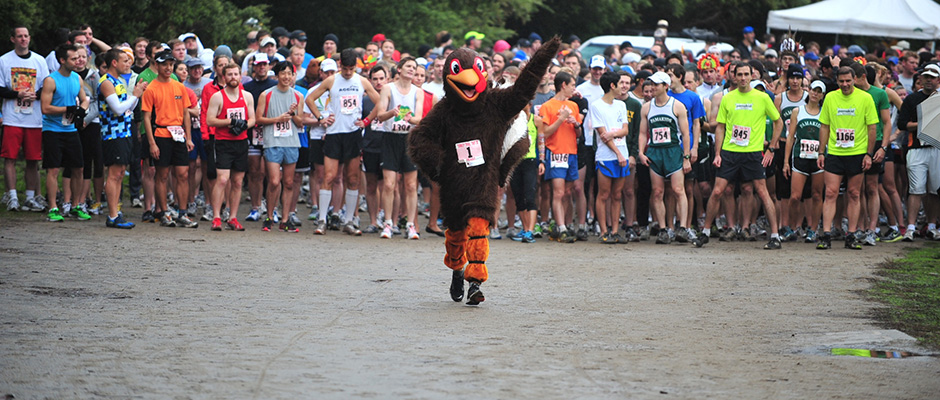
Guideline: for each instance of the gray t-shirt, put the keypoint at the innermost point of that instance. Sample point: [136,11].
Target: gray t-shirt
[283,134]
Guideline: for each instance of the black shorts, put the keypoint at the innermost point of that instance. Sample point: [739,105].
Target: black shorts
[117,151]
[741,167]
[586,156]
[876,168]
[231,155]
[372,163]
[525,181]
[342,146]
[303,160]
[844,165]
[91,151]
[61,150]
[172,153]
[703,171]
[805,166]
[316,152]
[395,153]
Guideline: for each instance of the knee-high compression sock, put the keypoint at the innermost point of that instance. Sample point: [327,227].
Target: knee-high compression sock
[325,197]
[456,245]
[352,204]
[478,249]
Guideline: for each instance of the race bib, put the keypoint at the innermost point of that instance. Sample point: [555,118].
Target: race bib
[620,141]
[741,135]
[23,106]
[845,137]
[236,113]
[282,129]
[257,136]
[349,104]
[401,126]
[470,153]
[558,161]
[809,149]
[66,119]
[662,135]
[177,133]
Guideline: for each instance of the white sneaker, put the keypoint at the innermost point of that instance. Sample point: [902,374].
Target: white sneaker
[32,205]
[386,232]
[412,233]
[933,234]
[5,199]
[494,234]
[13,204]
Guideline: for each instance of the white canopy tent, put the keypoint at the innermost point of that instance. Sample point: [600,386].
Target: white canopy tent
[904,19]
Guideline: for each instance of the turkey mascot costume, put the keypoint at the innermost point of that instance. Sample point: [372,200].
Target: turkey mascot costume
[465,144]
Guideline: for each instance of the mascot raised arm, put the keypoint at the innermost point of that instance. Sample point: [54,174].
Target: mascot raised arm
[463,145]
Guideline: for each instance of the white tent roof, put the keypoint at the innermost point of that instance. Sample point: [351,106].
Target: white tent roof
[907,19]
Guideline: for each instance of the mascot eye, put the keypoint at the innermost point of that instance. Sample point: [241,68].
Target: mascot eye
[455,67]
[478,64]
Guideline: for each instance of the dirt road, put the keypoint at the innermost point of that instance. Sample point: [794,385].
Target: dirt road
[158,313]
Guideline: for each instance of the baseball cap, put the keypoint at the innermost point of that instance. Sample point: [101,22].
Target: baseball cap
[659,62]
[755,83]
[194,62]
[328,65]
[661,77]
[534,36]
[818,85]
[748,29]
[902,45]
[630,57]
[378,37]
[714,49]
[299,35]
[648,53]
[501,46]
[523,43]
[259,58]
[931,70]
[268,40]
[794,70]
[573,38]
[164,56]
[644,74]
[186,35]
[811,56]
[423,62]
[473,35]
[279,31]
[597,61]
[770,53]
[856,50]
[663,23]
[893,60]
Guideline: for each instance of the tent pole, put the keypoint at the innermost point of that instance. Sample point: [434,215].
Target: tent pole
[837,39]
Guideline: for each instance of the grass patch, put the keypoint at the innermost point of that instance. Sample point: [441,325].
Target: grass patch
[910,289]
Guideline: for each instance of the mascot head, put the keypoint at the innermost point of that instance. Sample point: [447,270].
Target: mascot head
[464,75]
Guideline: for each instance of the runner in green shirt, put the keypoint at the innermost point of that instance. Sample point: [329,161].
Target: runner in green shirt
[882,140]
[742,114]
[848,119]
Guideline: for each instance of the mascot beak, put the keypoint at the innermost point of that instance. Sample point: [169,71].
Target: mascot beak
[469,83]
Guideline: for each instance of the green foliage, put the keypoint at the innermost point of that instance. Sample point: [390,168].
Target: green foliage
[215,21]
[911,287]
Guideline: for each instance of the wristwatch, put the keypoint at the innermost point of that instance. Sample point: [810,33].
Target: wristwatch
[687,157]
[885,148]
[319,118]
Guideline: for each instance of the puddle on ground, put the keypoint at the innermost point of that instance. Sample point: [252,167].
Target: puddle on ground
[885,343]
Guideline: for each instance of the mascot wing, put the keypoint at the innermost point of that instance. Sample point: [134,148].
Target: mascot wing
[518,130]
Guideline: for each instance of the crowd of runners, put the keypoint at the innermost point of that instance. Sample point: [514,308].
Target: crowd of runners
[777,141]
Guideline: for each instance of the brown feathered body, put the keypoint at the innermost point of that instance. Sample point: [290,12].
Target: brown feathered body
[472,191]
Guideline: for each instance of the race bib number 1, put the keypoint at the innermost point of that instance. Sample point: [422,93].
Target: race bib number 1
[470,153]
[809,149]
[177,133]
[845,138]
[741,135]
[661,135]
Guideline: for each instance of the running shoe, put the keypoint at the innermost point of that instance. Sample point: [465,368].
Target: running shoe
[254,215]
[494,233]
[933,234]
[567,236]
[41,201]
[185,222]
[773,244]
[79,213]
[869,239]
[32,204]
[289,227]
[95,208]
[581,235]
[616,238]
[644,233]
[200,200]
[788,234]
[267,225]
[234,225]
[321,228]
[412,233]
[217,224]
[891,236]
[682,235]
[516,236]
[66,208]
[605,238]
[314,214]
[474,294]
[851,242]
[207,216]
[456,285]
[5,199]
[825,242]
[13,204]
[54,215]
[167,220]
[754,231]
[226,213]
[728,236]
[908,235]
[663,237]
[810,236]
[630,235]
[693,237]
[136,202]
[191,210]
[118,222]
[371,229]
[386,232]
[528,237]
[351,229]
[292,217]
[402,222]
[334,222]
